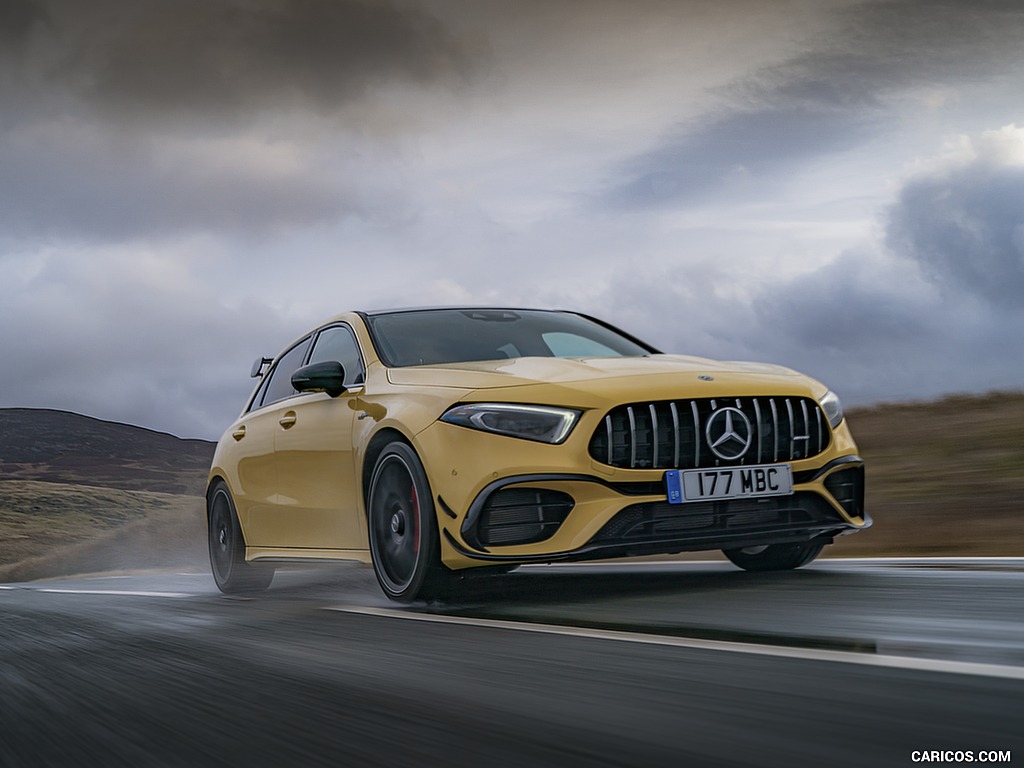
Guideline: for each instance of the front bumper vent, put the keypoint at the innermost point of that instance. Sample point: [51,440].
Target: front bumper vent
[679,434]
[847,488]
[703,525]
[522,516]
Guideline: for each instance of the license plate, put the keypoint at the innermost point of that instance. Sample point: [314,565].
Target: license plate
[728,483]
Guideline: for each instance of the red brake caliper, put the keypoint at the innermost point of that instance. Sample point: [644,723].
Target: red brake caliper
[414,502]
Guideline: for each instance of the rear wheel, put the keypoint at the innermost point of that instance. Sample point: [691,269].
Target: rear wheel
[403,527]
[775,557]
[227,548]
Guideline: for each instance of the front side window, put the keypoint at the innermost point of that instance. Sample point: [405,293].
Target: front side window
[338,343]
[280,385]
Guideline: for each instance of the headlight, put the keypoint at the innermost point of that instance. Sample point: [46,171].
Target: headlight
[532,422]
[833,409]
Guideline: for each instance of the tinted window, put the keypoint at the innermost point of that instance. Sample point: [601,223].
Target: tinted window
[338,343]
[280,385]
[429,337]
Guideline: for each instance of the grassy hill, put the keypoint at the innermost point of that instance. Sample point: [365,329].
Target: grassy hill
[79,494]
[943,477]
[82,495]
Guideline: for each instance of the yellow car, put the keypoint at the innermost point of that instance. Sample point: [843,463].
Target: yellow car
[430,442]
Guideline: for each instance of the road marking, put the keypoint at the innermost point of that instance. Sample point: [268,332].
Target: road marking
[821,561]
[807,654]
[117,592]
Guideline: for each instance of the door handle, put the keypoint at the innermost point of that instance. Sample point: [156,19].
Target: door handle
[288,420]
[239,433]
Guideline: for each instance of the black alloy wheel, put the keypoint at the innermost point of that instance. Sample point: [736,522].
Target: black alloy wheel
[775,557]
[227,547]
[403,527]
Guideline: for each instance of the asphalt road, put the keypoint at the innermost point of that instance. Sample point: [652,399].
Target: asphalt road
[841,664]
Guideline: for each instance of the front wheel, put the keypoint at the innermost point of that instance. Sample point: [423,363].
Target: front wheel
[775,557]
[403,527]
[227,548]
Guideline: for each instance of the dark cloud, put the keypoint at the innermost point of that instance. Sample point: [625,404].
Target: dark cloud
[107,340]
[965,227]
[738,153]
[125,118]
[76,183]
[222,56]
[870,329]
[825,100]
[18,18]
[844,304]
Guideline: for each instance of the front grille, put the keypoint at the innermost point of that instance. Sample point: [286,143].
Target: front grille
[522,516]
[674,434]
[703,523]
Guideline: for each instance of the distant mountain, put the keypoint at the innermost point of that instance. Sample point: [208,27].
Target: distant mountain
[63,447]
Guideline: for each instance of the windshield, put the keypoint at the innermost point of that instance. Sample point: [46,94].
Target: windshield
[438,336]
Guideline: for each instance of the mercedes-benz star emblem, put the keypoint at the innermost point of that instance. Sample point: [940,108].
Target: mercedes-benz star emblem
[729,433]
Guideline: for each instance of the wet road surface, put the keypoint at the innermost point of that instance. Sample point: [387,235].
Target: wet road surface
[843,663]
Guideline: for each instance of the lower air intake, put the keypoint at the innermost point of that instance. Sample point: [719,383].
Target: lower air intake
[522,516]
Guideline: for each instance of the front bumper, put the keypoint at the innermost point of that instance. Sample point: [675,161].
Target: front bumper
[543,509]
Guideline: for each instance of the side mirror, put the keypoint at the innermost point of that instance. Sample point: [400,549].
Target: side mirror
[258,367]
[327,376]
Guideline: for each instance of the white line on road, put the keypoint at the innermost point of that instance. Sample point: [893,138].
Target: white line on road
[809,654]
[820,562]
[118,592]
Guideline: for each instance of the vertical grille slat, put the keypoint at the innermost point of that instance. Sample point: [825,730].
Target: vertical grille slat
[656,434]
[696,434]
[632,436]
[775,431]
[675,433]
[792,427]
[757,421]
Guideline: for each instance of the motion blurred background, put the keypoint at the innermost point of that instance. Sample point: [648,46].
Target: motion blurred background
[834,185]
[80,496]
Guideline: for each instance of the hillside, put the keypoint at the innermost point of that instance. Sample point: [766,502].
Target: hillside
[943,477]
[79,495]
[57,446]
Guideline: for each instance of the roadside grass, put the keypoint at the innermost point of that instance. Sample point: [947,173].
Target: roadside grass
[53,529]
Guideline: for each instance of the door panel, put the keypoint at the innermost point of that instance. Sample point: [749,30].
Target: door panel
[316,504]
[256,487]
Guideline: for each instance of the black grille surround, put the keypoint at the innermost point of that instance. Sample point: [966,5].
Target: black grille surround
[673,434]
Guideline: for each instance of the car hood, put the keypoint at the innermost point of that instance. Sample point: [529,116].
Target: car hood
[601,374]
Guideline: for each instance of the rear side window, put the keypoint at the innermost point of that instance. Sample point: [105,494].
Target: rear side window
[280,385]
[338,343]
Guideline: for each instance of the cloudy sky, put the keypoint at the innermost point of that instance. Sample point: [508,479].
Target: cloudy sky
[186,184]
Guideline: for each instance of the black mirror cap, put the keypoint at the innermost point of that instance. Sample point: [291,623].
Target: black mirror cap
[328,376]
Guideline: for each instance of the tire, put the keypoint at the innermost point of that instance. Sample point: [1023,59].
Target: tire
[403,528]
[775,557]
[233,575]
